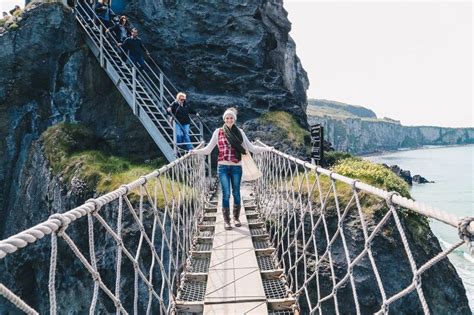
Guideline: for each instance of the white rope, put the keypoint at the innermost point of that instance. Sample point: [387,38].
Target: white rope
[52,274]
[183,186]
[295,208]
[17,301]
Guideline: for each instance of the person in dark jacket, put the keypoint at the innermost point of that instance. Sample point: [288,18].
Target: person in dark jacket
[105,13]
[134,48]
[181,112]
[121,30]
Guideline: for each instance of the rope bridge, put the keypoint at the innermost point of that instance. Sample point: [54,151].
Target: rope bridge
[330,247]
[325,243]
[162,208]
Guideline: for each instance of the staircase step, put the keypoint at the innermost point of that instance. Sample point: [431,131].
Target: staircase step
[281,306]
[187,307]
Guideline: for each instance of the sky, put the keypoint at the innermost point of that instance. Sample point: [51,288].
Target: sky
[407,60]
[410,60]
[7,5]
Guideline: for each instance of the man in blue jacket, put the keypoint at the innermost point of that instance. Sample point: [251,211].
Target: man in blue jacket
[134,48]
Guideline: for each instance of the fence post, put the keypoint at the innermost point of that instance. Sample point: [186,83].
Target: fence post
[201,131]
[161,89]
[175,145]
[134,90]
[101,46]
[209,168]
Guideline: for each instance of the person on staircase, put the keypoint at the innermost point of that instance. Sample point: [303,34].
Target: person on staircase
[232,144]
[105,13]
[181,111]
[134,48]
[122,30]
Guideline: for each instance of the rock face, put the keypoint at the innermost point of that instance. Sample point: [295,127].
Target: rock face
[232,53]
[358,134]
[49,76]
[223,55]
[404,174]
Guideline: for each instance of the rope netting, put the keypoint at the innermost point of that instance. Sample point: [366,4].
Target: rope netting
[350,248]
[132,243]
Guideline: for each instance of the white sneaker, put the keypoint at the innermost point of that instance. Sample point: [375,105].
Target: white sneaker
[227,226]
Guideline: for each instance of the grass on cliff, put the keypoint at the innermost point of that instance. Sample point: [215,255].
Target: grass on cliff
[372,174]
[287,125]
[75,154]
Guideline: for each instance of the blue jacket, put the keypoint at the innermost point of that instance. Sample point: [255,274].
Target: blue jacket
[134,46]
[104,11]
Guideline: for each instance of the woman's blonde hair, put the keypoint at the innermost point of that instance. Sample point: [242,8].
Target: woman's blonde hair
[180,94]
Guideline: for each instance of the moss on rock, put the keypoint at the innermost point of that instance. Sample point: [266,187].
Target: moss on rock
[84,163]
[287,125]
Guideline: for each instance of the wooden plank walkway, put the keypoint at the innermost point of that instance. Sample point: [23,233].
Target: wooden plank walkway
[234,283]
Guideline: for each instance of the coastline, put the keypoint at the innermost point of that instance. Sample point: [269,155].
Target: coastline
[423,147]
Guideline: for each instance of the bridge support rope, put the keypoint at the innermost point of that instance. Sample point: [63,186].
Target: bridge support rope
[300,202]
[294,197]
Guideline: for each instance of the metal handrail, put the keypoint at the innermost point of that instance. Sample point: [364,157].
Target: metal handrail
[143,80]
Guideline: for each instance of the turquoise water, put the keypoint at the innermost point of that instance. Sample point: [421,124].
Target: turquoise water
[453,191]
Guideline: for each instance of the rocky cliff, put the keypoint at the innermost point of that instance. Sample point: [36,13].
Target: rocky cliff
[231,54]
[356,132]
[234,53]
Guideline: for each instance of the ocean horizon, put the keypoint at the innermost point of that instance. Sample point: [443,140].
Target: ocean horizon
[451,169]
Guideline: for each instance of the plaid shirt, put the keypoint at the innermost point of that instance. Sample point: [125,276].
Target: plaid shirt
[226,151]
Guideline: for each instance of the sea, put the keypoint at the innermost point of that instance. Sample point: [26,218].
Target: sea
[452,170]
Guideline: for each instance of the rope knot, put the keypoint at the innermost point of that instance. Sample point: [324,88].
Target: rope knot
[126,188]
[117,303]
[463,231]
[96,276]
[145,180]
[353,184]
[417,279]
[389,197]
[64,222]
[96,203]
[368,245]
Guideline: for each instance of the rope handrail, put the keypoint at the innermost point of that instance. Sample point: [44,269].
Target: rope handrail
[24,238]
[159,91]
[416,206]
[306,218]
[323,238]
[183,186]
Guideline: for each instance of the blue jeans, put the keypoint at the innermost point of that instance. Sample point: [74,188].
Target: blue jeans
[182,136]
[230,175]
[137,60]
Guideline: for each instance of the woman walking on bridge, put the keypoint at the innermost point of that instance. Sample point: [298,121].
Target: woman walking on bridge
[232,144]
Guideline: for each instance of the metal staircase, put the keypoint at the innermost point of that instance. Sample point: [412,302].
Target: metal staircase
[147,91]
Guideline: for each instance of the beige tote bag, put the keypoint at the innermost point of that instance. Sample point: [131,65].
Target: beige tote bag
[250,170]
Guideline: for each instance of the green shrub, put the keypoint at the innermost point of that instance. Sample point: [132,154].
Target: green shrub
[372,174]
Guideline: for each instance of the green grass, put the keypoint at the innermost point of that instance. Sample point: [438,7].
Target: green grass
[372,174]
[287,125]
[75,153]
[369,173]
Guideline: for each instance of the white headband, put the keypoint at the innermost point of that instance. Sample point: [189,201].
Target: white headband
[230,112]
